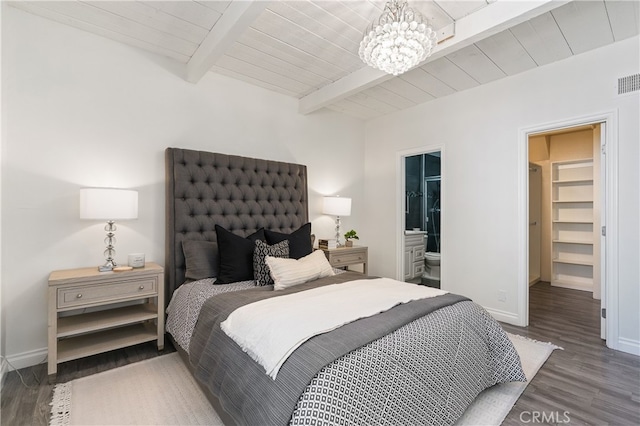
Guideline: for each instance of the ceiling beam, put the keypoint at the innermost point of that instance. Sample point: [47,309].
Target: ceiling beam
[238,16]
[490,20]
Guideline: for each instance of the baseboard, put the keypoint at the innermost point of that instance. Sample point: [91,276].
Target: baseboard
[503,316]
[27,359]
[629,346]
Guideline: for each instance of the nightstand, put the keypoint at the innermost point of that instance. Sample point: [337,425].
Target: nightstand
[345,256]
[86,316]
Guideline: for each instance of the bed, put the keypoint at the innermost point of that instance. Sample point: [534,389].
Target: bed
[422,361]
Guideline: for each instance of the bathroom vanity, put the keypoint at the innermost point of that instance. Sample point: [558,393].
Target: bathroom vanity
[414,254]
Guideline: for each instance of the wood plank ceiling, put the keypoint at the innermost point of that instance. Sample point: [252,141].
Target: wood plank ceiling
[308,49]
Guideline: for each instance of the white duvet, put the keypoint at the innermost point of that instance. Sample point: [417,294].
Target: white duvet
[270,330]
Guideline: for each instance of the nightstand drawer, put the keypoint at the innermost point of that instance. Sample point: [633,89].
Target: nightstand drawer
[114,292]
[342,257]
[347,259]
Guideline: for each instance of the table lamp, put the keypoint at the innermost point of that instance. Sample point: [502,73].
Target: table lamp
[337,206]
[108,204]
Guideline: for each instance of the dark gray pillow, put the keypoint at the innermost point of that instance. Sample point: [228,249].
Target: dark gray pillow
[260,269]
[201,259]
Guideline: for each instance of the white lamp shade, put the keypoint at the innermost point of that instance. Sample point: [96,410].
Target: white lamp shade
[337,206]
[108,204]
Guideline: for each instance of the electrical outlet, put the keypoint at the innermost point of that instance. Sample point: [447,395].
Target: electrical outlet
[502,296]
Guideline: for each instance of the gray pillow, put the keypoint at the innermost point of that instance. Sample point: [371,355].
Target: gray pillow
[201,259]
[260,269]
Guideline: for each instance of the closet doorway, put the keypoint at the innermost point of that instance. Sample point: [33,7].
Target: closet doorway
[565,209]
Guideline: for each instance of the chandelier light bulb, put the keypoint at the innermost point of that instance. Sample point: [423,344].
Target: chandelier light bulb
[398,41]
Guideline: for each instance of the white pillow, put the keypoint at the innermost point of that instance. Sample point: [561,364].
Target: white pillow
[289,272]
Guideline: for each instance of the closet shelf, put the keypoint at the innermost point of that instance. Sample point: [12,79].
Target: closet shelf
[571,181]
[571,221]
[565,241]
[573,199]
[574,262]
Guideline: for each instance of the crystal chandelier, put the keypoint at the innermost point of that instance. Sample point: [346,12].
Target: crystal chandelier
[399,39]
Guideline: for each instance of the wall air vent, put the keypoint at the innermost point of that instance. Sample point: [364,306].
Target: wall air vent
[628,84]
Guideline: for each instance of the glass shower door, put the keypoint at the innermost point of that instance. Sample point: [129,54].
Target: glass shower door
[432,213]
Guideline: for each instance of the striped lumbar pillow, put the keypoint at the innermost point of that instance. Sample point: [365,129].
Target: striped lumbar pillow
[289,272]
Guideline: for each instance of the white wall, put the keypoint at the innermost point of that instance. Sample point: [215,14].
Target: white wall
[479,131]
[2,323]
[81,110]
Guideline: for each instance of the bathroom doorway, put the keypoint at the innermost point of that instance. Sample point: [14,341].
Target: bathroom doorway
[421,224]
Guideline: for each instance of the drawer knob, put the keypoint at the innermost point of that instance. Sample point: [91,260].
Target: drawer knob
[141,287]
[79,296]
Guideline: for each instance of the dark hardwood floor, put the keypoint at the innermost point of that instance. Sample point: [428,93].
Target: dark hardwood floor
[586,383]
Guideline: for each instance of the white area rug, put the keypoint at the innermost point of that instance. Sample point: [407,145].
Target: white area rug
[158,391]
[161,391]
[493,404]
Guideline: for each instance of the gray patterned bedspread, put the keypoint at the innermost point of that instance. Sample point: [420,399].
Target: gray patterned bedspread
[419,363]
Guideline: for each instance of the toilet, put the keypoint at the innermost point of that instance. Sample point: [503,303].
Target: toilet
[432,264]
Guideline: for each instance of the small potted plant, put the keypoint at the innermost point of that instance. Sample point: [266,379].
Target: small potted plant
[351,235]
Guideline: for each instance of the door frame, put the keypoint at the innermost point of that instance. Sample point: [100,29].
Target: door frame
[401,200]
[538,170]
[609,186]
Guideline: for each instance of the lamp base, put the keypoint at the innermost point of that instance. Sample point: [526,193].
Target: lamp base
[109,252]
[338,243]
[108,266]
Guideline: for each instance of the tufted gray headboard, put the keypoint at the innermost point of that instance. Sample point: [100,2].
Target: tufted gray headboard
[241,194]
